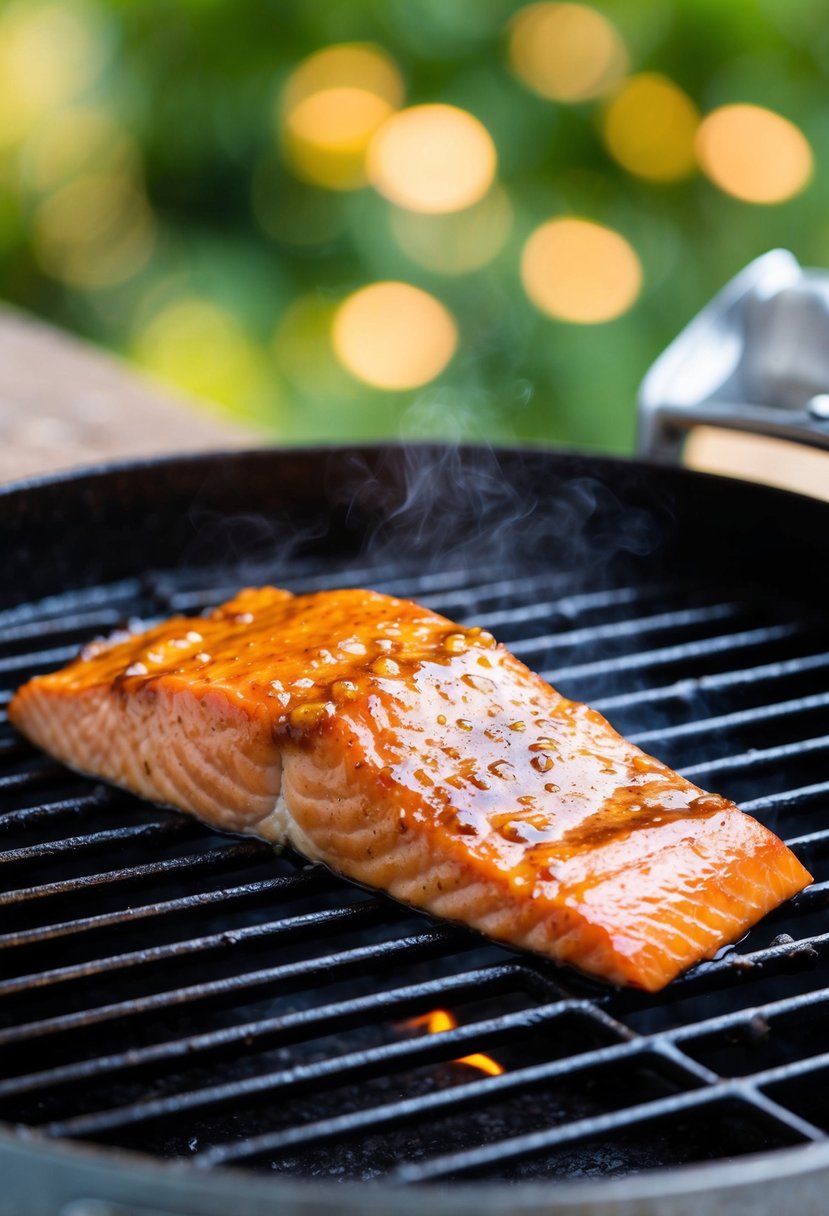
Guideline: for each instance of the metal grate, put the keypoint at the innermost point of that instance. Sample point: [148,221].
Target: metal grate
[168,989]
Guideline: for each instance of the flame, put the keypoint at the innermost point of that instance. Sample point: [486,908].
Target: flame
[441,1019]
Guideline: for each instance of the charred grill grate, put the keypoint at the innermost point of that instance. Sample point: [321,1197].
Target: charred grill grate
[171,990]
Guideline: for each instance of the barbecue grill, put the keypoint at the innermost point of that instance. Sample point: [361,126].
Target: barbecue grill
[190,1023]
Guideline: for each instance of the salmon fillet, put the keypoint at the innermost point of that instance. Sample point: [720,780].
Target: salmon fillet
[422,759]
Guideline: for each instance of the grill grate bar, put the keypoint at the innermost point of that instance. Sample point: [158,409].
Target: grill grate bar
[247,983]
[337,1070]
[803,948]
[45,771]
[781,1114]
[176,825]
[81,623]
[37,660]
[387,576]
[291,885]
[722,1024]
[793,1071]
[368,911]
[533,1143]
[60,809]
[667,1049]
[485,1089]
[470,591]
[128,590]
[682,652]
[739,717]
[305,1023]
[211,859]
[454,1100]
[14,747]
[808,838]
[680,618]
[765,673]
[785,796]
[813,897]
[468,586]
[759,756]
[570,605]
[437,590]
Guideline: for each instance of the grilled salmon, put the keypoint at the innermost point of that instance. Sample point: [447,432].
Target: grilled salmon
[423,759]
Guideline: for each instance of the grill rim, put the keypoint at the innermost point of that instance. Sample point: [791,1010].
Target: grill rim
[129,465]
[71,1163]
[69,1171]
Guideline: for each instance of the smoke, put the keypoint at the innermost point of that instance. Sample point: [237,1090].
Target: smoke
[251,539]
[528,524]
[482,506]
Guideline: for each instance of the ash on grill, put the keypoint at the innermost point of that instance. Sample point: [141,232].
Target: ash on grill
[171,990]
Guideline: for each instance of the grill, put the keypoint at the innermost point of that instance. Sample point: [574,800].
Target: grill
[183,995]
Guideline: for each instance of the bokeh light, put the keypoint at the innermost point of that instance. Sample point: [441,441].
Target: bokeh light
[200,192]
[394,336]
[649,128]
[200,347]
[457,243]
[754,154]
[94,232]
[50,53]
[326,136]
[575,270]
[330,108]
[432,158]
[75,141]
[566,52]
[303,351]
[361,65]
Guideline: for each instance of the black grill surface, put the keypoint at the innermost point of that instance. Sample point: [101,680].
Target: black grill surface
[171,990]
[189,995]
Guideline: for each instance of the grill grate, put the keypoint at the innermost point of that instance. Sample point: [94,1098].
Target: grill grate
[171,990]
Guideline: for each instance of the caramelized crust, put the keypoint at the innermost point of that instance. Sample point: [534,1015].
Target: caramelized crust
[423,759]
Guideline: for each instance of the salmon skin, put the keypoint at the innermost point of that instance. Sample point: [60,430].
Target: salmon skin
[423,759]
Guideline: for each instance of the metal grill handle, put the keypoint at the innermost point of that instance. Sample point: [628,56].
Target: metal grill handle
[755,359]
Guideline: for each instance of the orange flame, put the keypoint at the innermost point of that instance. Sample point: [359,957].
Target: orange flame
[442,1019]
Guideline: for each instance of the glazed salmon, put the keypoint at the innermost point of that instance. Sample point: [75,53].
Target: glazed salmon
[422,759]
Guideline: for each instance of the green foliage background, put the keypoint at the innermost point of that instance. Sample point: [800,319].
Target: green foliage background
[196,83]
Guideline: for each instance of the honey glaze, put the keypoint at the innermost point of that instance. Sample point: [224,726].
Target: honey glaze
[536,785]
[492,786]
